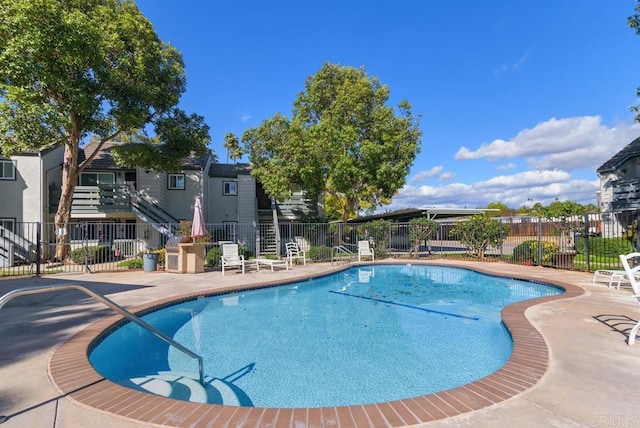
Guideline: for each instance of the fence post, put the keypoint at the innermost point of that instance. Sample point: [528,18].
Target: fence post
[586,240]
[501,239]
[256,228]
[38,248]
[85,237]
[540,241]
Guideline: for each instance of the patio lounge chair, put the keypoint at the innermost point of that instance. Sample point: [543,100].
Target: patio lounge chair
[293,252]
[230,257]
[631,276]
[611,275]
[365,251]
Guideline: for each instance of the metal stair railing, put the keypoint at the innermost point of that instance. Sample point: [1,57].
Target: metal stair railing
[150,212]
[20,247]
[341,249]
[113,305]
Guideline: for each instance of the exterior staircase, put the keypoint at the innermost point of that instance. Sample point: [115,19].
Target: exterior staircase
[151,213]
[14,249]
[267,239]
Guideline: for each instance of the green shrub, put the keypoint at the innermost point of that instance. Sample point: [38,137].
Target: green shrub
[212,259]
[605,247]
[244,251]
[478,232]
[131,263]
[318,254]
[162,254]
[528,252]
[95,254]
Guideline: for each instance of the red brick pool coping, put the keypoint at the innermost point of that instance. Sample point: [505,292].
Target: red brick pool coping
[76,379]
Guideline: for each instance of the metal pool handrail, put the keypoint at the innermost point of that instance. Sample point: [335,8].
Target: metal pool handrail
[339,249]
[122,311]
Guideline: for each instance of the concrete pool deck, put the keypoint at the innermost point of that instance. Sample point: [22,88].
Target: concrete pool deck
[592,378]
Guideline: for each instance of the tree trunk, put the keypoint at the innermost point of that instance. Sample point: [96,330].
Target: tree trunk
[63,214]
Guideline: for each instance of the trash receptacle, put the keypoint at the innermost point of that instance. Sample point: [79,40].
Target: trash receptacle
[150,262]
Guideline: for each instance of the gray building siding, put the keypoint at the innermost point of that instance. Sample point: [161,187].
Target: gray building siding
[25,197]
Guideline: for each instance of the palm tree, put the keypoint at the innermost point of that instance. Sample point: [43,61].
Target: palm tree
[232,144]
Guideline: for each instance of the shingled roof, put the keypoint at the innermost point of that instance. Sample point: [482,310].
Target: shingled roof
[631,150]
[104,158]
[229,169]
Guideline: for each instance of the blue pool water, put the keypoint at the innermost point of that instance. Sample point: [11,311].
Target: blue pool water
[363,335]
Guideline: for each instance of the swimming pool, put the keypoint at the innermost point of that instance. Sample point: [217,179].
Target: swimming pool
[363,335]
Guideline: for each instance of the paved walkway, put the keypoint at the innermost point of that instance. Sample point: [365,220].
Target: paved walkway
[593,378]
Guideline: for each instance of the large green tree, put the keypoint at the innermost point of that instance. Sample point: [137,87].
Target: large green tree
[71,70]
[342,140]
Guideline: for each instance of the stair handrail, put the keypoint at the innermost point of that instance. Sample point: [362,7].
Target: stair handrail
[155,213]
[343,249]
[113,305]
[24,247]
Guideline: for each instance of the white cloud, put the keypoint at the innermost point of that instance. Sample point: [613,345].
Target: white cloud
[525,179]
[425,174]
[513,190]
[554,150]
[446,176]
[245,118]
[436,171]
[513,66]
[507,166]
[572,143]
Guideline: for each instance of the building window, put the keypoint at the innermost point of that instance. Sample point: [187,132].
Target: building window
[96,178]
[7,170]
[176,181]
[7,224]
[230,188]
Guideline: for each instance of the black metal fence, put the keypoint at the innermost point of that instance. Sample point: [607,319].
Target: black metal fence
[587,242]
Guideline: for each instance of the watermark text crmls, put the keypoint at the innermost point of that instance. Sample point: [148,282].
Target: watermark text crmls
[614,421]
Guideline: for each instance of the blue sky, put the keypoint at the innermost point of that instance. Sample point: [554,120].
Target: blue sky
[521,101]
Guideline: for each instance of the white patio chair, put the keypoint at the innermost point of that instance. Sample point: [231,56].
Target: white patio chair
[293,252]
[230,257]
[631,277]
[365,251]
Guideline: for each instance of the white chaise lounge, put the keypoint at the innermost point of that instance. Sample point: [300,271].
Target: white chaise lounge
[632,278]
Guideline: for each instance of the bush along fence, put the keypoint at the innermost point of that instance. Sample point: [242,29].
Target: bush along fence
[586,242]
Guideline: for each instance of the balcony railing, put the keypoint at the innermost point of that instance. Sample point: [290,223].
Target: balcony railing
[96,201]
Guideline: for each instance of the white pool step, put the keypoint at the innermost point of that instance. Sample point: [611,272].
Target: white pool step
[229,398]
[183,386]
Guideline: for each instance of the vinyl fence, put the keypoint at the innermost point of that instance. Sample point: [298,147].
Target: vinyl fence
[586,242]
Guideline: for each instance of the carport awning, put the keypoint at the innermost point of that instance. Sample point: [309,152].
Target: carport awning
[407,214]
